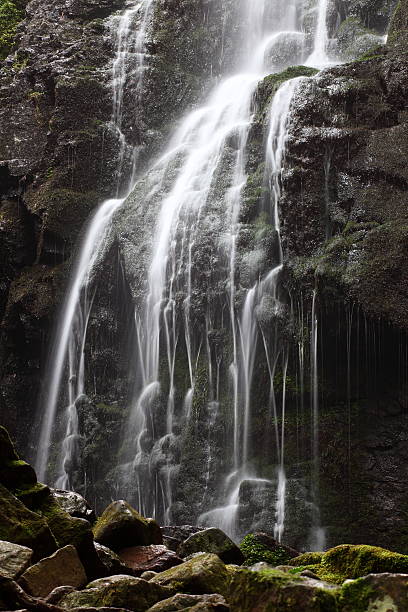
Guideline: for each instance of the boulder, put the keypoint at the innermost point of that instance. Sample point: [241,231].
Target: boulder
[203,574]
[63,568]
[215,541]
[376,592]
[74,504]
[191,602]
[144,558]
[111,561]
[14,559]
[307,558]
[20,525]
[121,526]
[354,561]
[267,590]
[174,535]
[117,592]
[263,547]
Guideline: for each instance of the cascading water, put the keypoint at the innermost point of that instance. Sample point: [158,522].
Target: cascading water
[192,289]
[70,336]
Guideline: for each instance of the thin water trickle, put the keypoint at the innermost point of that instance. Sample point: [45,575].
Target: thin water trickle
[70,336]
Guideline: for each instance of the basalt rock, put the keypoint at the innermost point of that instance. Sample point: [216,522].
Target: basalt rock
[74,504]
[14,559]
[154,558]
[63,568]
[215,541]
[206,603]
[121,526]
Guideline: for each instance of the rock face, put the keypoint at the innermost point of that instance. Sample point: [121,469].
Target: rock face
[121,526]
[63,568]
[212,541]
[148,558]
[344,219]
[14,559]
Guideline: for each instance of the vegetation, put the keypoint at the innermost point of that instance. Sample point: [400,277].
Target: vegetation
[10,17]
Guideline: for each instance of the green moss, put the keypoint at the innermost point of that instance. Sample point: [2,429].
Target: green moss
[10,17]
[308,558]
[354,561]
[254,552]
[356,595]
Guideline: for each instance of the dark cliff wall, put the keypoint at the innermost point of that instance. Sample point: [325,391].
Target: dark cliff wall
[344,226]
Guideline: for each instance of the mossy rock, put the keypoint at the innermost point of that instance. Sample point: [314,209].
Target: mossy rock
[212,540]
[202,574]
[20,525]
[121,526]
[117,592]
[354,561]
[308,558]
[271,589]
[261,547]
[377,592]
[17,474]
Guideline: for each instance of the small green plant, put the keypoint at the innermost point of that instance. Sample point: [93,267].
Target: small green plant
[10,17]
[254,552]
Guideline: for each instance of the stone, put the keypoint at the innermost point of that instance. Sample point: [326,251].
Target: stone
[376,592]
[354,561]
[111,561]
[174,535]
[58,593]
[268,590]
[261,546]
[148,575]
[122,526]
[143,558]
[20,525]
[191,602]
[117,592]
[215,541]
[63,568]
[307,558]
[14,559]
[204,573]
[74,504]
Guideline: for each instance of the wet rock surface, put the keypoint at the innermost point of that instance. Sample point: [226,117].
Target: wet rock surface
[14,559]
[154,558]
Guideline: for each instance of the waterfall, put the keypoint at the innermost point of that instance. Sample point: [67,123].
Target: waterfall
[319,56]
[70,336]
[191,283]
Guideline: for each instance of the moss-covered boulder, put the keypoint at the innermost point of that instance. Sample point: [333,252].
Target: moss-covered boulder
[307,558]
[20,525]
[270,590]
[257,547]
[215,541]
[117,592]
[376,592]
[203,574]
[181,601]
[354,561]
[121,526]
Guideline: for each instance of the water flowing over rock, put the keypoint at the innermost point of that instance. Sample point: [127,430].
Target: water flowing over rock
[224,204]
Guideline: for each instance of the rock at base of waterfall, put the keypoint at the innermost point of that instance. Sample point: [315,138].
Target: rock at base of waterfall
[20,525]
[174,535]
[122,526]
[14,559]
[375,592]
[120,591]
[261,546]
[111,561]
[205,603]
[74,504]
[63,568]
[274,590]
[156,558]
[215,541]
[203,574]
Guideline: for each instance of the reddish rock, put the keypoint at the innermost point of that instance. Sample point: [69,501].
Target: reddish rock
[156,558]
